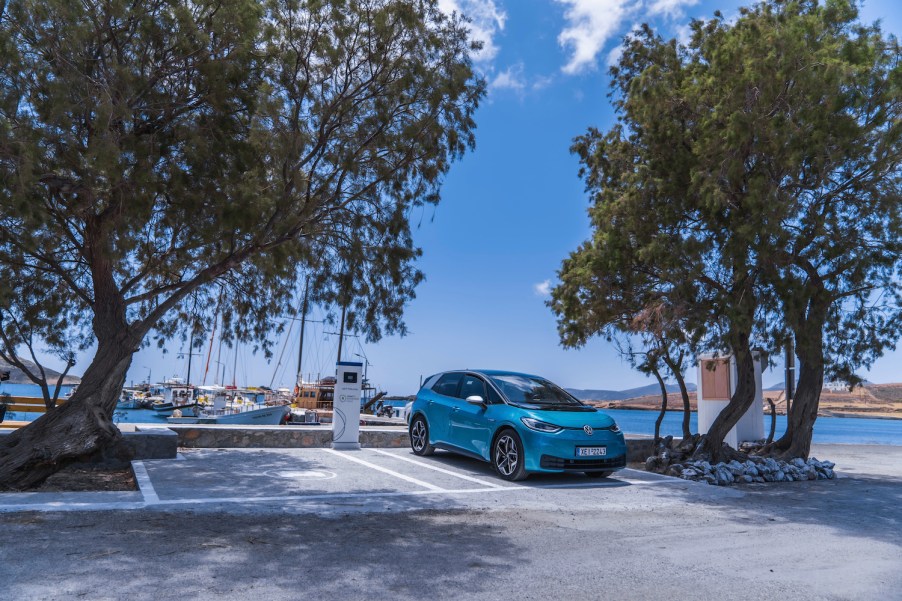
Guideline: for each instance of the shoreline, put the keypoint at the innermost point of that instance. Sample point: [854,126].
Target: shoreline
[603,405]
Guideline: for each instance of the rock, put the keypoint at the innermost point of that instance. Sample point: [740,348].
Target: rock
[829,473]
[674,470]
[779,476]
[747,479]
[789,478]
[724,476]
[798,462]
[689,473]
[759,479]
[828,464]
[653,464]
[751,470]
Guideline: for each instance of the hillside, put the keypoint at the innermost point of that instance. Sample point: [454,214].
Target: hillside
[630,393]
[17,376]
[872,400]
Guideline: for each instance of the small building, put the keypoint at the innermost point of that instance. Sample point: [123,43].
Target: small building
[717,383]
[836,386]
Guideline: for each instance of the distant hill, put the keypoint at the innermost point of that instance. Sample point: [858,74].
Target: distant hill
[17,376]
[620,395]
[780,385]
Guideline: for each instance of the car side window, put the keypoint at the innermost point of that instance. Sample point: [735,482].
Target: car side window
[472,386]
[493,397]
[448,384]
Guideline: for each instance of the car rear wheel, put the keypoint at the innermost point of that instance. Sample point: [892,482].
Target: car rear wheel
[598,474]
[419,437]
[508,457]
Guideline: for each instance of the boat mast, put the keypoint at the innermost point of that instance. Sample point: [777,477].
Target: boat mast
[300,378]
[235,366]
[341,331]
[212,336]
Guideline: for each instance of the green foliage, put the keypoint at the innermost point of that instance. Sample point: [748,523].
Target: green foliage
[163,160]
[750,186]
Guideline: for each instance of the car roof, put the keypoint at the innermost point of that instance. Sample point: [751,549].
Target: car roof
[495,372]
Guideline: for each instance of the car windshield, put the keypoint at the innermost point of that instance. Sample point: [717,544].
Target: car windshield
[534,391]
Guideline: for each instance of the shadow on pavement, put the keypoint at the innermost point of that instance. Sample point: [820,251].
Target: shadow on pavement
[851,505]
[156,555]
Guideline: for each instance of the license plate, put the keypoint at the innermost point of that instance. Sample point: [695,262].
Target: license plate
[591,451]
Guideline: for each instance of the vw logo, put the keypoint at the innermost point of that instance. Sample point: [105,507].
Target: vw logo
[587,429]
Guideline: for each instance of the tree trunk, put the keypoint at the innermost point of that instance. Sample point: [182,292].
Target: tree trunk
[742,399]
[76,429]
[809,336]
[684,393]
[663,404]
[796,442]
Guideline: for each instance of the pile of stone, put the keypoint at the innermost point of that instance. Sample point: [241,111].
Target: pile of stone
[755,469]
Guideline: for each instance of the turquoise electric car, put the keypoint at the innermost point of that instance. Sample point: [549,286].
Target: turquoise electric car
[517,422]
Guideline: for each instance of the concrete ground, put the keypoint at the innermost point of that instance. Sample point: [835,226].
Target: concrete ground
[384,524]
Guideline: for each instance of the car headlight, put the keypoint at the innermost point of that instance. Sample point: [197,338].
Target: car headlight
[615,428]
[538,426]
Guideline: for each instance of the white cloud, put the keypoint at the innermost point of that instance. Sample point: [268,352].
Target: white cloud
[671,8]
[543,288]
[511,78]
[542,82]
[486,21]
[614,55]
[591,24]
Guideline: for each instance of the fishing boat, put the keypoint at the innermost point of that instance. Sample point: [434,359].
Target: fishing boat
[264,416]
[227,405]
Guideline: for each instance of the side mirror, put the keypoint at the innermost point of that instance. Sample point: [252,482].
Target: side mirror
[476,400]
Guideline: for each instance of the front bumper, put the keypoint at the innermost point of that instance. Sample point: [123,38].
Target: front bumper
[557,452]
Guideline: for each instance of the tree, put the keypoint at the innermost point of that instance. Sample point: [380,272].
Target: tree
[753,176]
[158,156]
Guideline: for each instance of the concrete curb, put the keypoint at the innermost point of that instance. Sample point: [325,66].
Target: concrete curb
[303,437]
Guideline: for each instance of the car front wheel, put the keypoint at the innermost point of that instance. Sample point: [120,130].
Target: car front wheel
[508,457]
[419,437]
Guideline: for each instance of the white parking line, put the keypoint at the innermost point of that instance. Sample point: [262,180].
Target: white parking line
[379,468]
[438,469]
[144,483]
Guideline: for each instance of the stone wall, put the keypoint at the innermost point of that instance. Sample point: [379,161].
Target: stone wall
[298,437]
[280,437]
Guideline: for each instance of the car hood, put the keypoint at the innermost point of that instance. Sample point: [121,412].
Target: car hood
[572,419]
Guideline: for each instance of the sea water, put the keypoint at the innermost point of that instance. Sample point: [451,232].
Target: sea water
[827,430]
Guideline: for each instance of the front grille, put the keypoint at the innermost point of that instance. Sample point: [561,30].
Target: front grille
[581,465]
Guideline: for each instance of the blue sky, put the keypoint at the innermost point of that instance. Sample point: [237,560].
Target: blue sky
[511,210]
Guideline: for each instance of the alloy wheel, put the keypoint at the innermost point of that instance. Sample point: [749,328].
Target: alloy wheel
[418,435]
[507,456]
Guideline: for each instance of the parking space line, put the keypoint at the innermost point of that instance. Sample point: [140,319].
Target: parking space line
[144,483]
[438,469]
[379,468]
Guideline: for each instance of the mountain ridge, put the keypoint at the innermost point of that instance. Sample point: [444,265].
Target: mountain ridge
[17,376]
[590,394]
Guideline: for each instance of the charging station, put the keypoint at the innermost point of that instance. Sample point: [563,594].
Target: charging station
[346,406]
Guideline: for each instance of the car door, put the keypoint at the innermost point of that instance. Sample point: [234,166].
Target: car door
[441,400]
[471,425]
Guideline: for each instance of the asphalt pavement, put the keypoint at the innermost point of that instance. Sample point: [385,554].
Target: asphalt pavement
[385,524]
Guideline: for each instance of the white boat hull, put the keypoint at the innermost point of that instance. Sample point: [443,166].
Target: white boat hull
[267,416]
